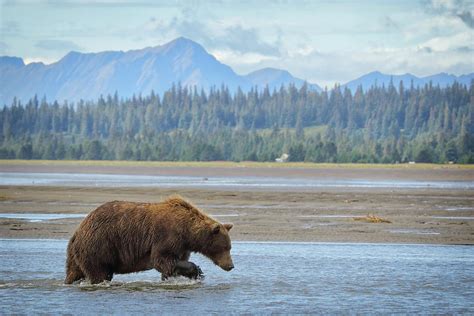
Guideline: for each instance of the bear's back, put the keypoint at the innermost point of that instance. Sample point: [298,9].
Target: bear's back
[122,213]
[121,223]
[114,220]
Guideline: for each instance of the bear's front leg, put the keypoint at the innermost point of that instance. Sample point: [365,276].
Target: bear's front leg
[169,265]
[163,262]
[188,269]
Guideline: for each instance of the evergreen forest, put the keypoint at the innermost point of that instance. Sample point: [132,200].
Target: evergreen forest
[387,124]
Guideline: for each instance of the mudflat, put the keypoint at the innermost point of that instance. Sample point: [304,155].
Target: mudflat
[389,172]
[421,215]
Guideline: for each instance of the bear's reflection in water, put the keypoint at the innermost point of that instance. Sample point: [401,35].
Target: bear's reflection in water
[178,283]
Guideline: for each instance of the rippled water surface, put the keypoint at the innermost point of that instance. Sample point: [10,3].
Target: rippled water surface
[40,217]
[108,180]
[268,278]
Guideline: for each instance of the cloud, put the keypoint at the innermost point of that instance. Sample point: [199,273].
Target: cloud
[467,18]
[215,35]
[92,3]
[57,45]
[460,9]
[39,59]
[389,24]
[449,43]
[193,29]
[10,28]
[465,49]
[3,48]
[329,67]
[235,58]
[426,49]
[245,40]
[419,42]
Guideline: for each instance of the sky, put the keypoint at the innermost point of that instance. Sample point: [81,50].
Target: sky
[323,42]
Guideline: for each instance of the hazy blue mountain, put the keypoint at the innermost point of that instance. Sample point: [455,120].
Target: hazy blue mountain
[11,62]
[377,78]
[275,78]
[87,76]
[444,79]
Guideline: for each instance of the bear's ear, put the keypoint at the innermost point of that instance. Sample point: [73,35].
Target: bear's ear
[228,226]
[216,228]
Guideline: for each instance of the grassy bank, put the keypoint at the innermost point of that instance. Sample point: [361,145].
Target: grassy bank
[229,164]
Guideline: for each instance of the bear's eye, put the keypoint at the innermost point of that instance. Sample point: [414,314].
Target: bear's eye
[216,229]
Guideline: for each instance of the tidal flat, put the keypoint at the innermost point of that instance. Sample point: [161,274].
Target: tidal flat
[432,205]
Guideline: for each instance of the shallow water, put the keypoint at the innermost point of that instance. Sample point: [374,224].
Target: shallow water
[268,278]
[41,217]
[413,231]
[108,180]
[465,218]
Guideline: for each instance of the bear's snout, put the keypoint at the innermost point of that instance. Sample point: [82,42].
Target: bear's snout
[229,267]
[224,261]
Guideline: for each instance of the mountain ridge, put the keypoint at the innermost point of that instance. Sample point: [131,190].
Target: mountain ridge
[377,78]
[274,78]
[88,75]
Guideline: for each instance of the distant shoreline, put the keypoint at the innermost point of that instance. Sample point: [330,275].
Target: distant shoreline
[270,242]
[232,164]
[321,214]
[309,171]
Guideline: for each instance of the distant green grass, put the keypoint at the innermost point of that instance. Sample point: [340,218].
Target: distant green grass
[229,164]
[308,131]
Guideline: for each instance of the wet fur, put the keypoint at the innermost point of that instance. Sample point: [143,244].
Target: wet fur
[123,237]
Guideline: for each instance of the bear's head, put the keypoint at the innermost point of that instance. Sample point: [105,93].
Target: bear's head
[218,246]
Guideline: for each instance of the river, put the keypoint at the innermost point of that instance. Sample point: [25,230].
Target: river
[269,277]
[234,182]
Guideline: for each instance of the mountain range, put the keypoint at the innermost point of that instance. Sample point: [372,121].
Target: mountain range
[377,78]
[88,75]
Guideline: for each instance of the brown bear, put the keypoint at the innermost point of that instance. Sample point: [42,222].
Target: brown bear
[123,237]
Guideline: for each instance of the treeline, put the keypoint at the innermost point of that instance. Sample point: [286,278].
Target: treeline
[384,124]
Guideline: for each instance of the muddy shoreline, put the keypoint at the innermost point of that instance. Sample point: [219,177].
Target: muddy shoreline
[426,216]
[336,172]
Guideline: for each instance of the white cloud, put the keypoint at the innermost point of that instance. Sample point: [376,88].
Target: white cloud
[57,45]
[231,57]
[447,43]
[39,59]
[330,67]
[322,42]
[9,28]
[3,48]
[216,34]
[462,10]
[443,5]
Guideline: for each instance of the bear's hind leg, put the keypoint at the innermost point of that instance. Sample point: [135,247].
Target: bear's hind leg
[97,273]
[73,272]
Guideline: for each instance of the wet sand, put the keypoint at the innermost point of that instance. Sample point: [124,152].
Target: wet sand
[401,172]
[432,216]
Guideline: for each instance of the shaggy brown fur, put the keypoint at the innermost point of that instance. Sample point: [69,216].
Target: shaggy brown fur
[123,237]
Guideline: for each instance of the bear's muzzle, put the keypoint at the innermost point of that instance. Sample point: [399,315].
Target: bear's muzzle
[224,261]
[228,267]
